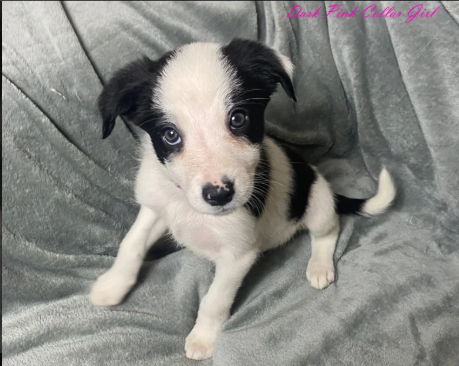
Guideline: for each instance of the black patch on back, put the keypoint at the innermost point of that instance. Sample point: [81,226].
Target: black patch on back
[257,201]
[129,93]
[302,180]
[346,206]
[259,71]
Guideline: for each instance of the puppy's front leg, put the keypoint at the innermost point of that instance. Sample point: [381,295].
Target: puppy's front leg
[112,286]
[215,307]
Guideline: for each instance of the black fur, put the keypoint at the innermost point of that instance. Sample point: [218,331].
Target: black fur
[254,130]
[346,206]
[129,94]
[164,151]
[257,201]
[258,65]
[303,179]
[259,70]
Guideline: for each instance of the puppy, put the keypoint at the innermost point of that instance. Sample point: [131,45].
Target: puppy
[211,177]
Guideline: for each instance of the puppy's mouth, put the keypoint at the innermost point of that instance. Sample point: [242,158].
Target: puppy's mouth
[224,210]
[221,211]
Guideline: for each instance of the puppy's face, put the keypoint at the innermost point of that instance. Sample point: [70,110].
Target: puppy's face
[203,107]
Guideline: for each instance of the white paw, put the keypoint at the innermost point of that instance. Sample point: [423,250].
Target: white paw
[110,289]
[320,273]
[199,344]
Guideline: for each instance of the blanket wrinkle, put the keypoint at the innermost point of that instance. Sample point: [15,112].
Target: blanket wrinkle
[409,97]
[93,65]
[67,139]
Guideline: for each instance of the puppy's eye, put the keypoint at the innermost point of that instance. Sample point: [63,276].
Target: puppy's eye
[171,136]
[238,119]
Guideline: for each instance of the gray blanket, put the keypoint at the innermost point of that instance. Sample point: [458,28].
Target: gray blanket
[371,91]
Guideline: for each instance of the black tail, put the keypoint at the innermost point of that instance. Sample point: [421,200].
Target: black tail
[375,205]
[348,206]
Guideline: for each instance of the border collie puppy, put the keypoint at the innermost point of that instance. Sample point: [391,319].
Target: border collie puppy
[212,179]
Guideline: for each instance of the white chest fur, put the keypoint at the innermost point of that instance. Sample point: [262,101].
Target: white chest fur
[209,236]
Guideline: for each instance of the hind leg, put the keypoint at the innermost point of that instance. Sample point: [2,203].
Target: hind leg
[323,224]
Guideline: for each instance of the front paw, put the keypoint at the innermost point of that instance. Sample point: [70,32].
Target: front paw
[320,273]
[200,342]
[110,289]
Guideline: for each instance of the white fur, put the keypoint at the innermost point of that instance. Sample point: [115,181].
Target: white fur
[113,285]
[385,196]
[323,224]
[194,92]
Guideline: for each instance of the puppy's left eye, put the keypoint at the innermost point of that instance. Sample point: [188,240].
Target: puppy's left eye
[238,119]
[171,136]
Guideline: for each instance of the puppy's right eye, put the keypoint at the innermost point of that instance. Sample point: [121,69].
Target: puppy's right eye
[171,137]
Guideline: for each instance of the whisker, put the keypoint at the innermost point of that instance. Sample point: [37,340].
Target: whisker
[242,92]
[149,121]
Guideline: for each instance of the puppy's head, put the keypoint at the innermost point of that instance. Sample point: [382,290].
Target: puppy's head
[203,107]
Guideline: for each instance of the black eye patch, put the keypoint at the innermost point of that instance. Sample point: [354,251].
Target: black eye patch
[247,118]
[154,122]
[165,143]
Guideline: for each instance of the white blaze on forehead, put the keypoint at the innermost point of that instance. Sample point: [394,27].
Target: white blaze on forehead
[196,84]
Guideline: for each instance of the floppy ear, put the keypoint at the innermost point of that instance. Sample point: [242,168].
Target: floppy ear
[261,64]
[121,95]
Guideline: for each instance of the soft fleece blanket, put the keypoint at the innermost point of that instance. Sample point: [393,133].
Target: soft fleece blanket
[372,91]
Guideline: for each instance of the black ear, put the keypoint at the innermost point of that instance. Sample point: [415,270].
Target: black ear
[261,64]
[121,95]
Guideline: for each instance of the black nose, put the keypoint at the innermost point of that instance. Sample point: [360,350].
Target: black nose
[218,195]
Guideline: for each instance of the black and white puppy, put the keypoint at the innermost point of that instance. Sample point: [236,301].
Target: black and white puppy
[211,177]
